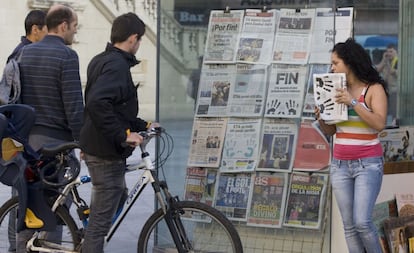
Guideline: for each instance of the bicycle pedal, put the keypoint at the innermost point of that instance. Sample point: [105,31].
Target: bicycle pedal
[83,212]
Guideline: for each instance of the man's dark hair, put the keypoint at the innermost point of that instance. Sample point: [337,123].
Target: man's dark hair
[125,26]
[392,45]
[59,15]
[34,17]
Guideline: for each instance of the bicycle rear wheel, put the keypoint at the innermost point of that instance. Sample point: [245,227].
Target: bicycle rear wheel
[70,236]
[206,229]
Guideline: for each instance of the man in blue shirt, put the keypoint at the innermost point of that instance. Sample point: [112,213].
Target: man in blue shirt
[51,84]
[51,81]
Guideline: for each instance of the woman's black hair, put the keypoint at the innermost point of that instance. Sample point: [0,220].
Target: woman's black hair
[359,61]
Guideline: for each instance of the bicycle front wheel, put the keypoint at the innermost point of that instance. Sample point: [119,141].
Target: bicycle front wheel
[66,238]
[205,230]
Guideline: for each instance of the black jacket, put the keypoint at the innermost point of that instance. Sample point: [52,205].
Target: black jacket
[111,105]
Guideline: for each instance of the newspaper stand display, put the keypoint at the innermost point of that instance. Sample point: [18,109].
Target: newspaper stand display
[250,107]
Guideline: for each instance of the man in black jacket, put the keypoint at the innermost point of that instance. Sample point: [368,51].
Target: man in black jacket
[110,121]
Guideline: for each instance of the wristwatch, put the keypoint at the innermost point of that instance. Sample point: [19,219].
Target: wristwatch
[354,102]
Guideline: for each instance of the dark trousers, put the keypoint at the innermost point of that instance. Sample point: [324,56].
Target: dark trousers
[108,190]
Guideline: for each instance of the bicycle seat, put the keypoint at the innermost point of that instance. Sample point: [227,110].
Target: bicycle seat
[51,150]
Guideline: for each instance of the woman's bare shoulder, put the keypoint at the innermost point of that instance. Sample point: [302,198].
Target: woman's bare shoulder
[376,87]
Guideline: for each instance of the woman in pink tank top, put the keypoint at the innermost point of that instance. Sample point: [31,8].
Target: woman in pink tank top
[357,164]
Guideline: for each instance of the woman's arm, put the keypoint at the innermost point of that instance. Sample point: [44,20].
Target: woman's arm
[326,129]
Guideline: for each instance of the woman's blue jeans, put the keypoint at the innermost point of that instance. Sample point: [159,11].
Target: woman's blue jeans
[356,185]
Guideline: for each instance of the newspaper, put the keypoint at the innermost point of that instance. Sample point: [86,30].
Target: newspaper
[214,89]
[382,211]
[293,36]
[309,103]
[330,28]
[395,229]
[313,151]
[248,94]
[206,142]
[232,90]
[233,191]
[306,200]
[195,182]
[200,184]
[324,87]
[405,203]
[286,91]
[257,35]
[268,200]
[397,144]
[278,140]
[397,242]
[409,233]
[241,145]
[223,36]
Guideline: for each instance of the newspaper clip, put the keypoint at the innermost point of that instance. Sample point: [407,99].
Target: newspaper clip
[264,8]
[227,9]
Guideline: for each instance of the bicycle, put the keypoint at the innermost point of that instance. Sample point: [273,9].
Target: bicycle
[177,226]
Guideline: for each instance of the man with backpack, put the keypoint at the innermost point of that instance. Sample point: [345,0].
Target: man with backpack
[36,29]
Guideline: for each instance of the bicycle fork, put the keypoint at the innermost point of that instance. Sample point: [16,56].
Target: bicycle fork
[173,220]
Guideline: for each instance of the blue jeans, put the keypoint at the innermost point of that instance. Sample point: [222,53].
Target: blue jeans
[356,185]
[108,191]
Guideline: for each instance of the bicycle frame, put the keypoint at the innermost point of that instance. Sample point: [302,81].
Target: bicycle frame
[71,189]
[145,178]
[175,226]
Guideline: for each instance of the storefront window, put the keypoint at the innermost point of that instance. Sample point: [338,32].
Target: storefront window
[182,37]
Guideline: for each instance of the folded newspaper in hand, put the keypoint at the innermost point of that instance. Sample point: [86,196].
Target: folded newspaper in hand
[324,88]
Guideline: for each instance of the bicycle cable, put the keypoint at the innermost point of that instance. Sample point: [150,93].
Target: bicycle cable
[166,147]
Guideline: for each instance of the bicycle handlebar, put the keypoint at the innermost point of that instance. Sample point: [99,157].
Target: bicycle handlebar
[146,135]
[66,168]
